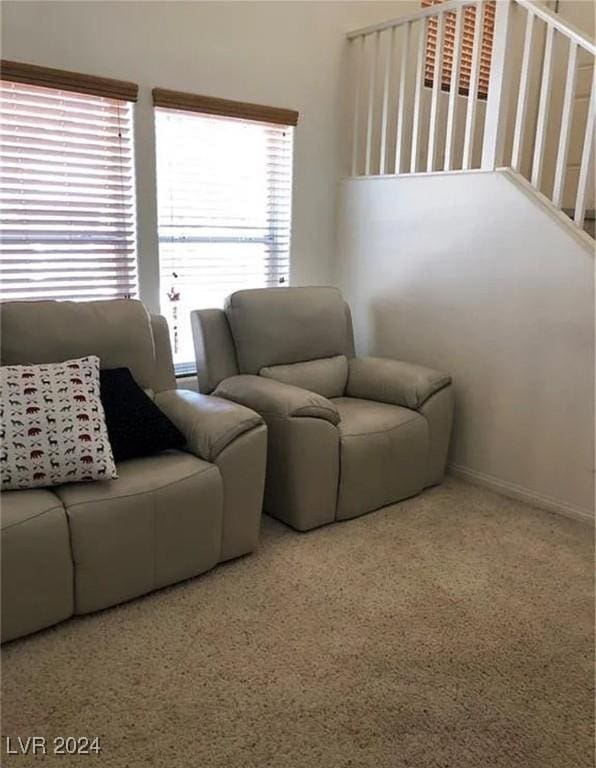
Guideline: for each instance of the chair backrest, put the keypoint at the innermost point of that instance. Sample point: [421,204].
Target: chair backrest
[268,327]
[277,326]
[119,331]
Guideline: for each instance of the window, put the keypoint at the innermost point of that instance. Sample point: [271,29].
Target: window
[67,192]
[224,181]
[467,44]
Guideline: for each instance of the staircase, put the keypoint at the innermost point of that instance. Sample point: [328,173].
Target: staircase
[536,118]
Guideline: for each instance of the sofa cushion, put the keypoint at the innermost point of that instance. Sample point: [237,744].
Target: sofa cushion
[383,455]
[118,331]
[275,326]
[160,522]
[136,426]
[326,377]
[52,425]
[37,570]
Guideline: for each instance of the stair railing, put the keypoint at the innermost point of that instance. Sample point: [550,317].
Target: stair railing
[402,124]
[577,44]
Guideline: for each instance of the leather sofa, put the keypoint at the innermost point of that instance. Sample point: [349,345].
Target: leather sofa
[346,435]
[78,548]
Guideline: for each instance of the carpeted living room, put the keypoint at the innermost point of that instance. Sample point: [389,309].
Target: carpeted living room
[297,383]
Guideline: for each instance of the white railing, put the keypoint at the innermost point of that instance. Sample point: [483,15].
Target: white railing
[402,126]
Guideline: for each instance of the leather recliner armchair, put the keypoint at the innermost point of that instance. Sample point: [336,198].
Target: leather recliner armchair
[346,435]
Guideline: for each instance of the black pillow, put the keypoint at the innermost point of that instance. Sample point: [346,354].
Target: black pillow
[136,426]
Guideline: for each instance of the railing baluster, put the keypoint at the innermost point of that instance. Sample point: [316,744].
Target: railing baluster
[495,114]
[473,92]
[358,53]
[453,91]
[434,104]
[542,120]
[384,115]
[417,95]
[522,99]
[371,103]
[399,131]
[584,175]
[566,118]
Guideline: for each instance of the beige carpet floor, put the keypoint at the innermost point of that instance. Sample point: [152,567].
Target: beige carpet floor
[452,630]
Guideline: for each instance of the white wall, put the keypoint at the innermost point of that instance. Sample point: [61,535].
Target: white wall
[466,274]
[284,54]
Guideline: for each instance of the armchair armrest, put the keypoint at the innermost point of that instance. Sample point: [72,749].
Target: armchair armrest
[274,399]
[393,381]
[208,423]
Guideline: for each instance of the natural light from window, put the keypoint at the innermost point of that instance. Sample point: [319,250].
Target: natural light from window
[224,206]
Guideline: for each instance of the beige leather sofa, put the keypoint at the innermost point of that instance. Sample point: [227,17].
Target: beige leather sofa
[82,547]
[346,435]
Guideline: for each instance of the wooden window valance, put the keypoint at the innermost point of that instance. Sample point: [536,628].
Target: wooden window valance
[31,74]
[224,107]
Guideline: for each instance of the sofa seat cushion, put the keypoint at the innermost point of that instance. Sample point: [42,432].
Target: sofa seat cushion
[37,571]
[160,522]
[383,455]
[20,506]
[326,377]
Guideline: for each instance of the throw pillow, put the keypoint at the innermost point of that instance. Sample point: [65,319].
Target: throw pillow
[52,425]
[136,426]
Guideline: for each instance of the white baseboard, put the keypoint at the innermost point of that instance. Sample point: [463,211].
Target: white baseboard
[520,493]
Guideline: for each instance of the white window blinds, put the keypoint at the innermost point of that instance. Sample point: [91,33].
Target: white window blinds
[224,205]
[67,194]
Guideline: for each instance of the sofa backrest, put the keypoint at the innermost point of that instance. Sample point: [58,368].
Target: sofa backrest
[279,326]
[119,331]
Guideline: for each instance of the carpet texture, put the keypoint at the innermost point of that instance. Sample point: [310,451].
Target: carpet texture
[452,630]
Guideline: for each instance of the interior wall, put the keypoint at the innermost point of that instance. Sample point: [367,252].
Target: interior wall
[284,54]
[465,273]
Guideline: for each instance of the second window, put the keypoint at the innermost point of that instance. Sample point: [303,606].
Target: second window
[224,207]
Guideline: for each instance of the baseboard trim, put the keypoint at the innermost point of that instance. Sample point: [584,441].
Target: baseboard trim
[518,492]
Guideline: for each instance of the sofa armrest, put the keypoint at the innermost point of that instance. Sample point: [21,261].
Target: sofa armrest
[393,381]
[271,398]
[208,423]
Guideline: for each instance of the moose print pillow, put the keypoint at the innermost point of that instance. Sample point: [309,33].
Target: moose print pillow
[52,425]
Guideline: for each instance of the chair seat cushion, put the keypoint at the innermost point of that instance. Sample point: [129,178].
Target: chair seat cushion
[37,571]
[383,454]
[159,523]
